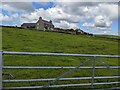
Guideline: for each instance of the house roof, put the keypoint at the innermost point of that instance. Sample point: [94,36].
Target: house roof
[47,22]
[28,24]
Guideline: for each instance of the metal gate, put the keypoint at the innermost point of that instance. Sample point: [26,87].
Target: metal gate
[51,83]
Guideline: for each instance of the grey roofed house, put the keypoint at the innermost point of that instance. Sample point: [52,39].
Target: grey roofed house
[28,25]
[39,25]
[44,25]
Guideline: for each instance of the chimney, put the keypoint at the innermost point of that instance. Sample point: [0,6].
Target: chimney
[50,21]
[40,18]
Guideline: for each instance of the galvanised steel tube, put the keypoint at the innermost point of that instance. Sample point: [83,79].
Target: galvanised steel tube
[57,86]
[56,67]
[61,79]
[59,54]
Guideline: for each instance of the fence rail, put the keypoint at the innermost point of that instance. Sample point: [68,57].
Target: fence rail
[52,81]
[61,79]
[63,85]
[60,54]
[57,67]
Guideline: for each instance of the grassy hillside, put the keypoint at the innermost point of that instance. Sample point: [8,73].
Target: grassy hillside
[112,37]
[38,41]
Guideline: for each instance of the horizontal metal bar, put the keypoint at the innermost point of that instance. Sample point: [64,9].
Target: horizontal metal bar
[61,79]
[63,85]
[59,54]
[56,67]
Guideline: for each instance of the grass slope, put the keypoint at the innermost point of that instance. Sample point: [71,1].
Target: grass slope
[38,41]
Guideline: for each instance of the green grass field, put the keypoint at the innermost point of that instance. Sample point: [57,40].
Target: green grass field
[25,40]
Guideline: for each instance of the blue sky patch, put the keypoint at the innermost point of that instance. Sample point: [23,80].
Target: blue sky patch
[44,5]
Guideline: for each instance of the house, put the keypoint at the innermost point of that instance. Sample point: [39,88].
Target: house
[44,25]
[39,25]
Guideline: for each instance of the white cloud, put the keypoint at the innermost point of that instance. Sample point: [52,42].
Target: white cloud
[13,19]
[66,25]
[90,8]
[57,15]
[88,25]
[62,24]
[83,11]
[73,26]
[34,16]
[101,21]
[4,18]
[110,10]
[18,6]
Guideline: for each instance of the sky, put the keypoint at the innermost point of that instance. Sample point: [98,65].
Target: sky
[91,17]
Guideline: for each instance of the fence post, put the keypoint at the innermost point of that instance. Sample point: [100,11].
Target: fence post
[93,72]
[1,70]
